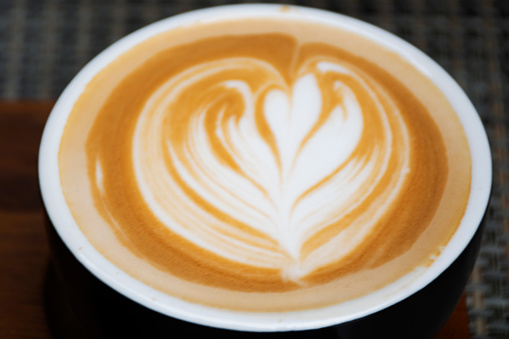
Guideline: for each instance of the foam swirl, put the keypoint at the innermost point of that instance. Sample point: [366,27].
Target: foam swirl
[271,164]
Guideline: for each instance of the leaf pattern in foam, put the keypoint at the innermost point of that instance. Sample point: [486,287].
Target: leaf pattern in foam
[307,159]
[276,190]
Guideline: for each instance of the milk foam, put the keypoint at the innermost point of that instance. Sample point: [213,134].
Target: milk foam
[289,193]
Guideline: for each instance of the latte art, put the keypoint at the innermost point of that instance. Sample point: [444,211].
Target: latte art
[283,161]
[267,169]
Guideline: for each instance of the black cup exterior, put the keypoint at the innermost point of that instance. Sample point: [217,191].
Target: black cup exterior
[97,311]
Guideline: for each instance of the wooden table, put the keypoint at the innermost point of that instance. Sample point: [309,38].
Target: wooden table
[24,253]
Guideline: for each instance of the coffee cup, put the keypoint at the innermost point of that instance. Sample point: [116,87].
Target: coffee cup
[269,168]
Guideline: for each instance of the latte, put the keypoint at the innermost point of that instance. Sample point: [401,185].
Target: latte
[264,164]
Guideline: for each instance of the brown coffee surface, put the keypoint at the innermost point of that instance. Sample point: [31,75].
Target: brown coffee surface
[265,165]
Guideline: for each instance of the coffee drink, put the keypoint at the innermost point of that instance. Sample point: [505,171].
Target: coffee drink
[265,164]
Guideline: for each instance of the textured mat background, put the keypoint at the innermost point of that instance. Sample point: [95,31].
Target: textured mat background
[44,43]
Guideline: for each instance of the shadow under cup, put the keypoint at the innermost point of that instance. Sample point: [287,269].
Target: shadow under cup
[100,309]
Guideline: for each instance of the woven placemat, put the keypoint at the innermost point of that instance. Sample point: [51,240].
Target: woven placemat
[44,43]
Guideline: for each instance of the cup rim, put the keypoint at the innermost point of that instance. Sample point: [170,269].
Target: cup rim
[86,254]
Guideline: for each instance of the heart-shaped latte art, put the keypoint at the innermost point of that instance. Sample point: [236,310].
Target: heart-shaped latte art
[270,172]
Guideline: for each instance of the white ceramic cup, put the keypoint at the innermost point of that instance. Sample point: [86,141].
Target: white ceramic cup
[349,312]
